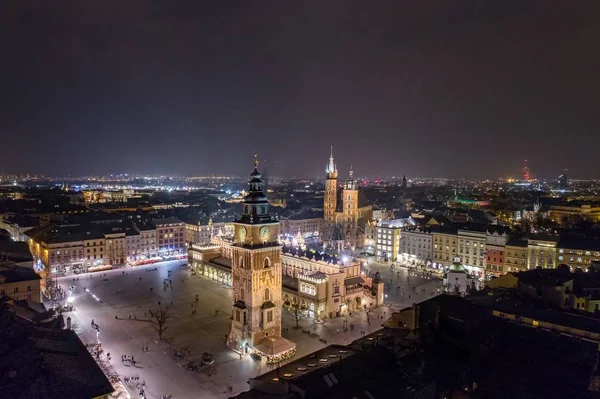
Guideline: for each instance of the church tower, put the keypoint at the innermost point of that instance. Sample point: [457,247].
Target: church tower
[256,272]
[330,196]
[350,201]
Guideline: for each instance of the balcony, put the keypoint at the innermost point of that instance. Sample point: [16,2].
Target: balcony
[350,291]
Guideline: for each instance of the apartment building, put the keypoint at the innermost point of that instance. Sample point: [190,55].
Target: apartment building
[169,235]
[495,248]
[387,238]
[578,253]
[541,251]
[416,245]
[445,245]
[471,250]
[515,259]
[19,283]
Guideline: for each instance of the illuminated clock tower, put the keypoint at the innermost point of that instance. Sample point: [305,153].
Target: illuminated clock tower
[256,271]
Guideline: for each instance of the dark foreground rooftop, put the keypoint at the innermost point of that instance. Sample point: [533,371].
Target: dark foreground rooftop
[45,363]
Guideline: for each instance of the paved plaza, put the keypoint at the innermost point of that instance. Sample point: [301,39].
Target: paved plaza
[199,325]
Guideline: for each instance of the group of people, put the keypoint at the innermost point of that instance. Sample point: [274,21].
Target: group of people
[130,359]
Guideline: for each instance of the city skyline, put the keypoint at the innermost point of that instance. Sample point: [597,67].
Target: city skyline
[457,90]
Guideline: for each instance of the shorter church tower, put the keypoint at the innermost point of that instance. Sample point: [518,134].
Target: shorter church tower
[350,201]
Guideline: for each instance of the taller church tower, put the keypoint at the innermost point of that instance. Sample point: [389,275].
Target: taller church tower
[330,196]
[256,271]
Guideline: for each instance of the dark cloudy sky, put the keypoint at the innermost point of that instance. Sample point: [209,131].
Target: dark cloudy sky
[426,88]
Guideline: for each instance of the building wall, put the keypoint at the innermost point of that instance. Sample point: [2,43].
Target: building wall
[416,246]
[23,290]
[541,253]
[293,266]
[170,237]
[495,245]
[444,248]
[495,260]
[471,250]
[116,249]
[387,244]
[197,234]
[306,227]
[557,213]
[577,257]
[94,252]
[515,259]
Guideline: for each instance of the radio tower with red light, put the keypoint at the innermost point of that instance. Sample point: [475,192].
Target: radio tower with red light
[526,176]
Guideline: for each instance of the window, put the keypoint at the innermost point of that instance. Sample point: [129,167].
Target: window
[267,295]
[28,288]
[16,289]
[267,263]
[269,316]
[237,315]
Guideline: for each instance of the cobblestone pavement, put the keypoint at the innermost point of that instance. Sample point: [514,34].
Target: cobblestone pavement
[194,327]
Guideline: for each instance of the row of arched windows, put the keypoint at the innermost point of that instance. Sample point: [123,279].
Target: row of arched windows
[266,262]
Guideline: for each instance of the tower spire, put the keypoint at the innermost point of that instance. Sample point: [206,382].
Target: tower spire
[255,160]
[330,168]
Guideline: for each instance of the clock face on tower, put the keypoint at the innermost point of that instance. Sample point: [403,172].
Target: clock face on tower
[264,233]
[242,233]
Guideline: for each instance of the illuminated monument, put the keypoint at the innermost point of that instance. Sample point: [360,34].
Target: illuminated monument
[256,282]
[344,209]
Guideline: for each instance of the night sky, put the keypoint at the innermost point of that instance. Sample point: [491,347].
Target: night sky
[425,88]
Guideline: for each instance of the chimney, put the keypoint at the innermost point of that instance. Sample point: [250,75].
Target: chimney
[436,320]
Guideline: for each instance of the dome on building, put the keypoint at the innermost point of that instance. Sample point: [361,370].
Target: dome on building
[457,267]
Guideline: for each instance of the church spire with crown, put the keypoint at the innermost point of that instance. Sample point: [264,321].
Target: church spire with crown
[331,168]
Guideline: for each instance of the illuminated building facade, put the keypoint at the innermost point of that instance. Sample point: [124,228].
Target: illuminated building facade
[309,227]
[416,245]
[471,250]
[169,235]
[388,237]
[344,209]
[257,278]
[324,288]
[589,211]
[515,259]
[495,249]
[444,245]
[577,253]
[542,252]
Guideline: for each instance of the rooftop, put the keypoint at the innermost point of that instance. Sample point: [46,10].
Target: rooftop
[10,273]
[46,363]
[164,221]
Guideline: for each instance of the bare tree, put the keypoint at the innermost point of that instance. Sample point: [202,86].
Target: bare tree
[298,311]
[160,317]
